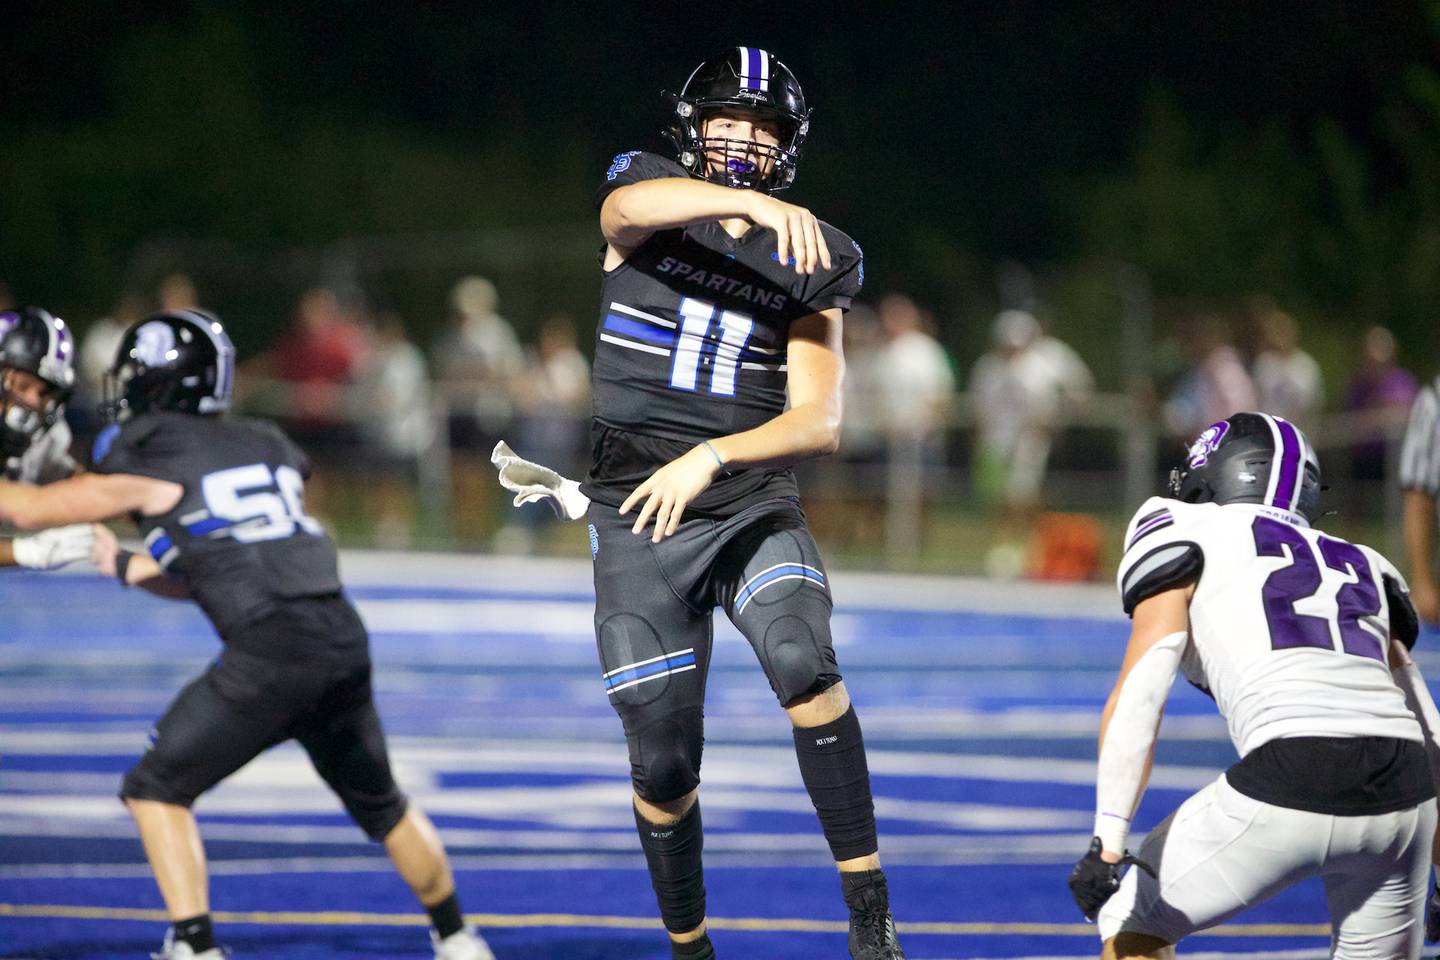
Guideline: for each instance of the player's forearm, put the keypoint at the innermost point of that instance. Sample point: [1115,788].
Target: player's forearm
[633,212]
[7,552]
[801,433]
[144,572]
[1127,738]
[1419,526]
[22,506]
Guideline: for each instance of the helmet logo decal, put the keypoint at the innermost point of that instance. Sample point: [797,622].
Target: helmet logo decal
[1207,443]
[153,341]
[754,69]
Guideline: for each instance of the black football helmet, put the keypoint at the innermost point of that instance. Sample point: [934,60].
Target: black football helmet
[742,78]
[38,343]
[177,360]
[1251,458]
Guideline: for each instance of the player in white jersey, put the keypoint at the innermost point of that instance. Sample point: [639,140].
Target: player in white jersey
[37,371]
[1301,638]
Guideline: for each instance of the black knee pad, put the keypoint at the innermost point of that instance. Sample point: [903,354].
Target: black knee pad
[665,756]
[797,661]
[142,782]
[375,813]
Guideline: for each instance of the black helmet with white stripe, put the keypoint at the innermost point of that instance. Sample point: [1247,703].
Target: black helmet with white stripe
[1251,458]
[36,342]
[743,79]
[177,360]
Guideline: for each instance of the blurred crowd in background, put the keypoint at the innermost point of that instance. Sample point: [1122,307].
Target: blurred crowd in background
[1010,462]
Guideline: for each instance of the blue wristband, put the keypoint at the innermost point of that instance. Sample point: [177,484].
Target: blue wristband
[721,463]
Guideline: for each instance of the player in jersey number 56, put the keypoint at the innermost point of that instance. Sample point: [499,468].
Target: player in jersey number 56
[718,302]
[1301,639]
[220,503]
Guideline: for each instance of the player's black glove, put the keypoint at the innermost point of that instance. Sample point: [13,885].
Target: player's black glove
[1432,914]
[1093,881]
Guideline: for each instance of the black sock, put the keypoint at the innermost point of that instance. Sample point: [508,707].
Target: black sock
[446,917]
[865,890]
[701,949]
[197,932]
[673,853]
[832,764]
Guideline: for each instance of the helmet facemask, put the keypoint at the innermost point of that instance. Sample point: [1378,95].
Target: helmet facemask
[20,421]
[746,164]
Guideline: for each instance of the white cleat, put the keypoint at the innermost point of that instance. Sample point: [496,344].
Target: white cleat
[170,950]
[463,945]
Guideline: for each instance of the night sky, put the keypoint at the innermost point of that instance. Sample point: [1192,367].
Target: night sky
[947,138]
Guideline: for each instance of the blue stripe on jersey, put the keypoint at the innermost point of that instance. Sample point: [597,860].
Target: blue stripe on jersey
[208,525]
[639,331]
[649,670]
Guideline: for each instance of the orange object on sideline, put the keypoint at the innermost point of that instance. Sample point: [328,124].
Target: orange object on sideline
[1065,546]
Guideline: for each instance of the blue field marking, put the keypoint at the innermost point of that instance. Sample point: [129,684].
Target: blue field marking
[980,726]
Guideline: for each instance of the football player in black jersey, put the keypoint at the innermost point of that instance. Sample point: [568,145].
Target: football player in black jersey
[37,370]
[220,502]
[718,303]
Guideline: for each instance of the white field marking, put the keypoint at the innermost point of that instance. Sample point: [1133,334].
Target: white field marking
[420,761]
[729,718]
[542,576]
[852,589]
[286,786]
[1059,846]
[54,781]
[552,618]
[815,855]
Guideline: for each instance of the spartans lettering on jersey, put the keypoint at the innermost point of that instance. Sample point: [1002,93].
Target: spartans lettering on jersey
[711,280]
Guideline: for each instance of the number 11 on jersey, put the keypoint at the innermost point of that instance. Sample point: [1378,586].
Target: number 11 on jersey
[693,345]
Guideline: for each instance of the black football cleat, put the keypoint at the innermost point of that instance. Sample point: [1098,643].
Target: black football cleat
[872,936]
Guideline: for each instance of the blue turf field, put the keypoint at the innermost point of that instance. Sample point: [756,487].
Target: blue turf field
[979,709]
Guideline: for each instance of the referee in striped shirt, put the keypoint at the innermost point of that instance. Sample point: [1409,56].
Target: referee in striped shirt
[1420,479]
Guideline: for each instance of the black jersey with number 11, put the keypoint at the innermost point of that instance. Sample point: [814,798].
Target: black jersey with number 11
[691,344]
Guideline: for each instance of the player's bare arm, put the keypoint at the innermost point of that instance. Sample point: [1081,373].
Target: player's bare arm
[1130,721]
[85,498]
[631,214]
[1419,524]
[809,428]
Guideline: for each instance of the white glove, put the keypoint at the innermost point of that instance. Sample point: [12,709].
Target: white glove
[531,482]
[53,548]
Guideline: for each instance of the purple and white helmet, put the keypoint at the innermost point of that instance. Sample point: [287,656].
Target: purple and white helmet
[1251,458]
[34,341]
